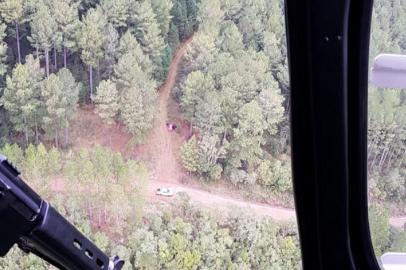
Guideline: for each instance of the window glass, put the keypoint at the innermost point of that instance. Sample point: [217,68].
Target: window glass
[387,130]
[158,127]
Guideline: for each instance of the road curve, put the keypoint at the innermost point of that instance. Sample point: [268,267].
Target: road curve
[166,166]
[216,201]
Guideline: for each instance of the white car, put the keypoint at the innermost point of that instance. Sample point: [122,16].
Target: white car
[168,192]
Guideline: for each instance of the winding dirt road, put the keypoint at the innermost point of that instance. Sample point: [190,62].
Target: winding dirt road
[162,145]
[221,202]
[162,148]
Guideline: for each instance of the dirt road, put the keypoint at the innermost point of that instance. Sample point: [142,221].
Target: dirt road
[162,145]
[398,222]
[160,151]
[221,202]
[162,148]
[225,203]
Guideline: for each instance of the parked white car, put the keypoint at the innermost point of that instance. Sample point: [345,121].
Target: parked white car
[168,192]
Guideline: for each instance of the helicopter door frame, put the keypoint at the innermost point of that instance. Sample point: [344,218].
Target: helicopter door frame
[328,54]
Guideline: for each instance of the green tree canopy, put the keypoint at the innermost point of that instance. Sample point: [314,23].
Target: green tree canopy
[190,155]
[44,33]
[91,40]
[21,97]
[66,16]
[137,94]
[13,12]
[149,34]
[3,50]
[116,11]
[107,101]
[129,44]
[60,94]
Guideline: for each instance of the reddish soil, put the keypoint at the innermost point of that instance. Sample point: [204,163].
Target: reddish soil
[88,129]
[160,151]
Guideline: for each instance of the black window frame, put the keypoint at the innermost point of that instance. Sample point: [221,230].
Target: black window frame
[328,50]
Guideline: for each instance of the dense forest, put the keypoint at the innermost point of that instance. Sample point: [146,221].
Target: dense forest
[234,90]
[57,53]
[387,109]
[58,56]
[178,236]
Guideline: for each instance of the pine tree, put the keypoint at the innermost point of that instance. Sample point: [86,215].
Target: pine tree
[128,72]
[14,154]
[166,60]
[179,18]
[111,51]
[149,35]
[132,112]
[162,9]
[129,44]
[246,145]
[107,101]
[203,50]
[52,94]
[210,151]
[137,109]
[60,93]
[70,92]
[12,11]
[209,115]
[91,40]
[21,97]
[192,9]
[190,155]
[173,36]
[252,26]
[53,163]
[3,50]
[66,16]
[211,13]
[231,40]
[194,89]
[137,95]
[270,100]
[43,31]
[116,12]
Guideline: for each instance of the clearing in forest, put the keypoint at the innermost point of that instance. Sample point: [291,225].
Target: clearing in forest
[160,150]
[161,147]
